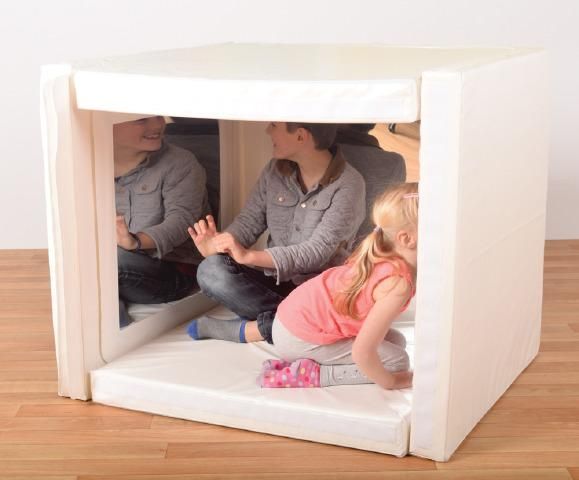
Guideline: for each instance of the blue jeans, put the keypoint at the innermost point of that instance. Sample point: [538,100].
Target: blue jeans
[143,279]
[244,290]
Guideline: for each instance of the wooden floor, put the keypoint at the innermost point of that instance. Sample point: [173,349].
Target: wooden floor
[531,433]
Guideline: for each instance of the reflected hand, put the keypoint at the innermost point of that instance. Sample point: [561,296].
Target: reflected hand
[203,232]
[124,238]
[226,243]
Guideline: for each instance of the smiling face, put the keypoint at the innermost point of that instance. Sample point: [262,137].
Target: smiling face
[143,135]
[285,144]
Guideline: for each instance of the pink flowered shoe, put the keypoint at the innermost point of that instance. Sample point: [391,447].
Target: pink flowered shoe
[302,373]
[271,364]
[274,364]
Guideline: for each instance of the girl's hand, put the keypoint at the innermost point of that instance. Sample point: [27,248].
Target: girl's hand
[395,380]
[402,379]
[226,243]
[124,238]
[203,232]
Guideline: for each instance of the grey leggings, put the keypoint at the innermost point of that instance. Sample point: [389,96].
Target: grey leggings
[338,356]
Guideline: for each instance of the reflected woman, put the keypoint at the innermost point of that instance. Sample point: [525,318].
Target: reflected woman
[159,191]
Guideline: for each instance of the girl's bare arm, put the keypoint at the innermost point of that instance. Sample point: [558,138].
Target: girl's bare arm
[390,296]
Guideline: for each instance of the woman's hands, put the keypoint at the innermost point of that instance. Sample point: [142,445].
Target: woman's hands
[203,232]
[226,243]
[209,241]
[125,239]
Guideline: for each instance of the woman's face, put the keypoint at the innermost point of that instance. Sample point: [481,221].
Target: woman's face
[285,144]
[143,135]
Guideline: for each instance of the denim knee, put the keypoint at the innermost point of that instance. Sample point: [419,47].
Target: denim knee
[265,325]
[215,274]
[127,260]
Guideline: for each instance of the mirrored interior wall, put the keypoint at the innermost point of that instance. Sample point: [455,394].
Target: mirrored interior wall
[403,138]
[200,137]
[167,176]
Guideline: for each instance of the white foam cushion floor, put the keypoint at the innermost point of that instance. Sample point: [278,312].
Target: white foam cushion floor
[215,382]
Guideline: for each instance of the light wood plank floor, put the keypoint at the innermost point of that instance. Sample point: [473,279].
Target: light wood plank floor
[531,433]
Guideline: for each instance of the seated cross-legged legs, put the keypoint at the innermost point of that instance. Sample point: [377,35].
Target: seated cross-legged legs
[147,280]
[245,291]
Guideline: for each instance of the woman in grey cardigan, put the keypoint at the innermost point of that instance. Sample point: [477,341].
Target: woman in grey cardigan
[159,191]
[311,202]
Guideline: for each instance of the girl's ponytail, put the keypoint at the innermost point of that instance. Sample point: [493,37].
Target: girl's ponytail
[394,209]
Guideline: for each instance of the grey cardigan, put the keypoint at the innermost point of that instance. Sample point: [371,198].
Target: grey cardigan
[161,197]
[308,232]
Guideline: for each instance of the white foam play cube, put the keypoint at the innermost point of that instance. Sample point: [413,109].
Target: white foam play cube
[483,176]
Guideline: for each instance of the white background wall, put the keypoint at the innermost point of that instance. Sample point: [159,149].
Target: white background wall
[33,33]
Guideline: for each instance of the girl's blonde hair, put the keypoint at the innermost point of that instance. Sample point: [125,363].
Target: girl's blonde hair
[394,210]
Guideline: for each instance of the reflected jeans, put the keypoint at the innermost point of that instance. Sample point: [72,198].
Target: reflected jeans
[143,279]
[244,290]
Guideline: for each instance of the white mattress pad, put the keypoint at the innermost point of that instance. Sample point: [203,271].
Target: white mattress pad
[215,382]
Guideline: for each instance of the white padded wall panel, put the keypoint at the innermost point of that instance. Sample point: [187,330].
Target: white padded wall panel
[72,232]
[503,172]
[439,157]
[497,220]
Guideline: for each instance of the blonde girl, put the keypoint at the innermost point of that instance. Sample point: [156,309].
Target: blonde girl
[335,329]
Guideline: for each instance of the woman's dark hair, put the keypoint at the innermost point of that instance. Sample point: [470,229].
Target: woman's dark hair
[324,134]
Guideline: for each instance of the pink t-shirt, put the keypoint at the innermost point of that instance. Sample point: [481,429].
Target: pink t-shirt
[308,312]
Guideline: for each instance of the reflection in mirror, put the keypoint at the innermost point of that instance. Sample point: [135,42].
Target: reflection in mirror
[403,138]
[162,177]
[382,157]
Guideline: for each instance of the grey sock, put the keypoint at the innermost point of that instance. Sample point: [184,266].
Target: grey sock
[208,327]
[351,375]
[341,375]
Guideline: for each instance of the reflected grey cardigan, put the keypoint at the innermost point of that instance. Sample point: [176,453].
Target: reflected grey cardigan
[161,197]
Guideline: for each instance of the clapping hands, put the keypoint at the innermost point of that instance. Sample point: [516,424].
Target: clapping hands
[124,238]
[203,232]
[226,243]
[209,241]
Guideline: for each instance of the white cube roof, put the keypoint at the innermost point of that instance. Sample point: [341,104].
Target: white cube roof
[316,83]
